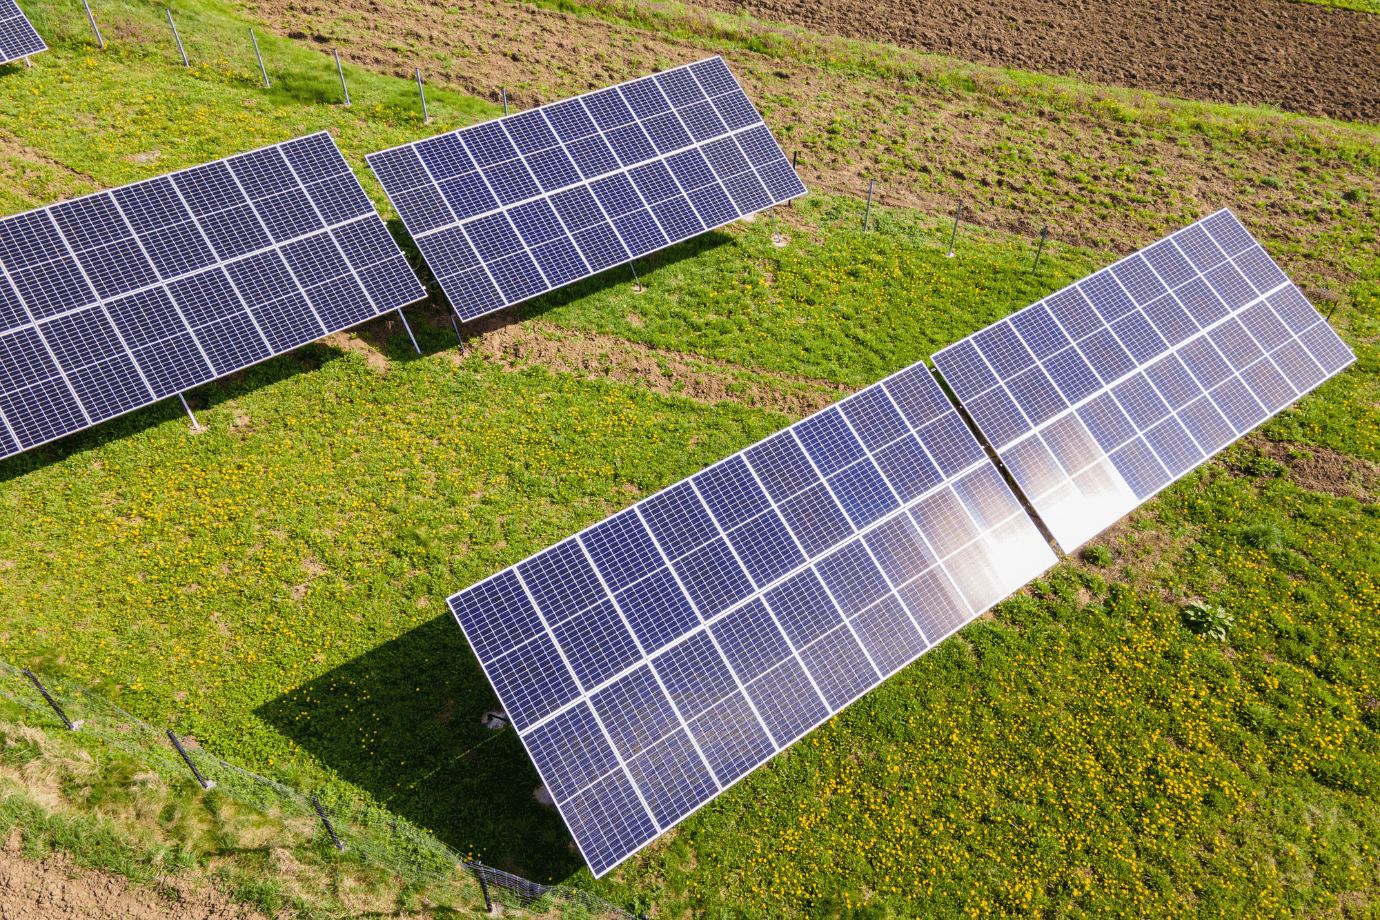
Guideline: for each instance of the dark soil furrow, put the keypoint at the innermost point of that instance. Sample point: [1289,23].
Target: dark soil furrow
[1304,58]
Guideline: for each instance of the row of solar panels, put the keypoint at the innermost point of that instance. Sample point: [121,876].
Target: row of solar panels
[18,39]
[116,300]
[656,658]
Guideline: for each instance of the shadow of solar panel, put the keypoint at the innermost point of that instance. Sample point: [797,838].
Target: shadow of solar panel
[18,39]
[1178,350]
[622,166]
[150,289]
[717,621]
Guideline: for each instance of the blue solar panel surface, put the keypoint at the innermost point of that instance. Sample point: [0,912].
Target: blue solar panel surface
[508,209]
[1105,392]
[17,36]
[654,659]
[119,299]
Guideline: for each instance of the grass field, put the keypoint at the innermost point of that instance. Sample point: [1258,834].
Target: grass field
[275,585]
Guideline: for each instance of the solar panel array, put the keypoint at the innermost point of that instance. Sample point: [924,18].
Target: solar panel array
[17,36]
[511,208]
[1104,393]
[116,300]
[652,660]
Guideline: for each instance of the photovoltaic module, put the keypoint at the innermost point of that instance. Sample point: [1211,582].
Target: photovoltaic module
[511,208]
[18,39]
[651,661]
[116,300]
[1105,392]
[654,659]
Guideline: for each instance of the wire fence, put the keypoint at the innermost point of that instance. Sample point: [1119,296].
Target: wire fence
[373,833]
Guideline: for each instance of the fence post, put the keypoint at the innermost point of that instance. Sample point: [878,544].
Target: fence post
[426,116]
[1040,251]
[341,70]
[321,813]
[176,37]
[483,886]
[71,726]
[100,42]
[188,761]
[954,235]
[262,69]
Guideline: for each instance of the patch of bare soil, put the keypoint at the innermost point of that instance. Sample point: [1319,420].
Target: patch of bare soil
[499,337]
[354,340]
[57,889]
[1015,163]
[1321,469]
[1303,57]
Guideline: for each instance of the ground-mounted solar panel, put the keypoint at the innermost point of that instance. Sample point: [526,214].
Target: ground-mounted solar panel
[508,209]
[18,39]
[1104,393]
[116,300]
[654,659]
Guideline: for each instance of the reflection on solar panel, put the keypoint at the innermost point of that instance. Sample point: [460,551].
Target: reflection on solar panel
[116,300]
[17,37]
[1104,393]
[511,208]
[654,659]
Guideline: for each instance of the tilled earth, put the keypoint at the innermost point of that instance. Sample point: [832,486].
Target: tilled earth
[1303,57]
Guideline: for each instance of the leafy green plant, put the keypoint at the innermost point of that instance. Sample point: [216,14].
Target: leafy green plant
[1098,555]
[1266,537]
[1208,620]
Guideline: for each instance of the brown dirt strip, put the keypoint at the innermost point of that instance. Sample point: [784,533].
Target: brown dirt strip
[57,889]
[504,339]
[1303,57]
[1016,160]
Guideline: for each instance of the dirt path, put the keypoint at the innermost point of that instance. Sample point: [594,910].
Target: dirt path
[1300,56]
[57,889]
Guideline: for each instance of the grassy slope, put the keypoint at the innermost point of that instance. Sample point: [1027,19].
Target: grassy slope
[274,586]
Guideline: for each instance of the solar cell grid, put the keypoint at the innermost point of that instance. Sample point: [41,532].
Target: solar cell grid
[767,592]
[1192,342]
[650,130]
[122,303]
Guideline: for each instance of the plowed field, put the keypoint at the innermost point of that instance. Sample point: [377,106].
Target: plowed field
[1304,58]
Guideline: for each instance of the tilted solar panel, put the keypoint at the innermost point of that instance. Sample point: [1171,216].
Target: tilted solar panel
[18,39]
[1104,393]
[654,659]
[508,209]
[119,299]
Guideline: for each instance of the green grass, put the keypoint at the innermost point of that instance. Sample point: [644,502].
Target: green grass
[275,585]
[1360,6]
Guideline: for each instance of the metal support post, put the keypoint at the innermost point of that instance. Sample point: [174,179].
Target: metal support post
[504,91]
[426,116]
[176,37]
[100,42]
[71,726]
[868,213]
[1333,310]
[341,70]
[409,331]
[1038,252]
[458,337]
[188,761]
[321,813]
[27,62]
[954,236]
[263,70]
[637,282]
[484,886]
[195,426]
